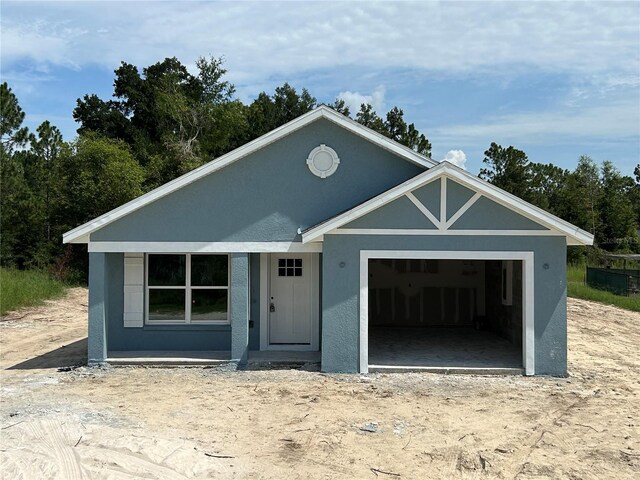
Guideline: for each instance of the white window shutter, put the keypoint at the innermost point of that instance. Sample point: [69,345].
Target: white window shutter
[133,289]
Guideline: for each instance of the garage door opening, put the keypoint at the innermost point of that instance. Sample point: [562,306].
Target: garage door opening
[438,313]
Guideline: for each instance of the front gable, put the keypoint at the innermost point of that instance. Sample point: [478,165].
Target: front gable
[485,214]
[401,213]
[268,195]
[451,202]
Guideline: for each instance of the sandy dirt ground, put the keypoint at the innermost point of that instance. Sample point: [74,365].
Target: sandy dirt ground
[160,423]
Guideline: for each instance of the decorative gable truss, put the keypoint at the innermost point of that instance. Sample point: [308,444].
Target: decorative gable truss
[446,200]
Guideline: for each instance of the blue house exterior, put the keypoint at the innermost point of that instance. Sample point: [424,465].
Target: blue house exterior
[278,246]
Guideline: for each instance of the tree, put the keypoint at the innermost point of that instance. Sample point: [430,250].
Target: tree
[173,120]
[369,118]
[98,175]
[619,227]
[12,132]
[395,128]
[340,106]
[46,148]
[635,194]
[267,113]
[547,185]
[15,198]
[509,169]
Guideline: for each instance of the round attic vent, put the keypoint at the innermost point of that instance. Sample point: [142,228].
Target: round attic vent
[323,161]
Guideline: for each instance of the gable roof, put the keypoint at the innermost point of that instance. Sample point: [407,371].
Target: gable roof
[81,234]
[575,235]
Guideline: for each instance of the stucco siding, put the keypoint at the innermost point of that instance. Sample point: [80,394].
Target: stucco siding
[153,337]
[269,194]
[457,196]
[341,269]
[429,195]
[400,213]
[486,214]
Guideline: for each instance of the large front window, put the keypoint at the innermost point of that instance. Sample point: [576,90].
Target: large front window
[187,288]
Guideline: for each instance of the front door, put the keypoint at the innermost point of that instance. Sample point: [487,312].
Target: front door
[290,299]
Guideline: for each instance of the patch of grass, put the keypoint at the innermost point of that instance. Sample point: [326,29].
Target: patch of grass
[577,288]
[26,288]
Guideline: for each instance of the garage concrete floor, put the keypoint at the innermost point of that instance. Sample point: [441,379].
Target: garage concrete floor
[457,347]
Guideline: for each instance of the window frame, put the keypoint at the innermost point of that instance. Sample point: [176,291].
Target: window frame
[188,288]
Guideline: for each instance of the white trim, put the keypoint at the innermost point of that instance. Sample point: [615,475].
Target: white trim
[462,210]
[335,161]
[187,287]
[265,294]
[264,301]
[133,282]
[425,211]
[204,247]
[574,235]
[528,314]
[77,235]
[443,203]
[410,231]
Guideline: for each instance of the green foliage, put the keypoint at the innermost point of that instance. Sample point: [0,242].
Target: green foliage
[395,128]
[598,200]
[19,288]
[97,175]
[509,169]
[12,133]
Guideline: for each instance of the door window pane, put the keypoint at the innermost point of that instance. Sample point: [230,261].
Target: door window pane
[209,270]
[167,270]
[166,304]
[209,304]
[293,267]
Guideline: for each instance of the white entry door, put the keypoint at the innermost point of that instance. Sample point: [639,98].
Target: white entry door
[291,316]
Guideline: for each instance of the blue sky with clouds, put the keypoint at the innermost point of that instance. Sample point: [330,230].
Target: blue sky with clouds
[555,79]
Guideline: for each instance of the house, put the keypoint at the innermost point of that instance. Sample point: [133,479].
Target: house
[324,236]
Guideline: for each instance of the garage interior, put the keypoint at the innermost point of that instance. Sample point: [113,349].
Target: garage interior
[458,314]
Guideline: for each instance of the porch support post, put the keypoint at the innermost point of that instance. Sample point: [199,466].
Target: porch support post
[240,307]
[97,338]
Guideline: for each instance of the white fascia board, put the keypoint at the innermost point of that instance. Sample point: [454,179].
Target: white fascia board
[520,206]
[204,247]
[377,138]
[372,204]
[575,236]
[77,235]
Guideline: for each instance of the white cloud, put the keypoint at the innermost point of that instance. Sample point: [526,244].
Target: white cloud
[262,39]
[457,157]
[613,120]
[355,99]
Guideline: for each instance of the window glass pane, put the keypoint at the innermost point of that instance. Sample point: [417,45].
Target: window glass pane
[281,272]
[298,272]
[281,262]
[166,304]
[298,262]
[290,272]
[167,270]
[209,270]
[208,304]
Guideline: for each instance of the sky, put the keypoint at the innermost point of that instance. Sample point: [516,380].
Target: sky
[555,79]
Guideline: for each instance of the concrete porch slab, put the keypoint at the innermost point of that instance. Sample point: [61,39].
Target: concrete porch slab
[203,358]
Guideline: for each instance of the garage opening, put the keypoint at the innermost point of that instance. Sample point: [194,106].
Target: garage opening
[445,314]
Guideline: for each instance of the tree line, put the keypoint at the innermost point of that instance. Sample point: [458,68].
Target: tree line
[164,121]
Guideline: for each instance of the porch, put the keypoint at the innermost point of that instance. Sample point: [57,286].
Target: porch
[207,358]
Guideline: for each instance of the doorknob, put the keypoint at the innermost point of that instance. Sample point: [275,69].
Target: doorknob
[272,307]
